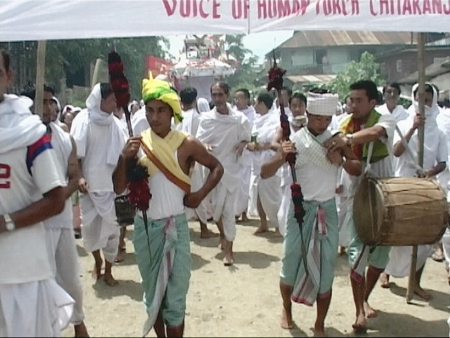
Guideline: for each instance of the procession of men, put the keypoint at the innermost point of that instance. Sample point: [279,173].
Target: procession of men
[203,168]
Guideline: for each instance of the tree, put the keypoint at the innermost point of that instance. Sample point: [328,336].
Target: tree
[245,61]
[70,60]
[366,69]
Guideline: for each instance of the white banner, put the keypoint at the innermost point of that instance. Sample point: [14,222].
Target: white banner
[74,19]
[351,15]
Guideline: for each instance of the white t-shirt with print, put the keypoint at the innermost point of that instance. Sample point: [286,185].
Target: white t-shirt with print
[23,251]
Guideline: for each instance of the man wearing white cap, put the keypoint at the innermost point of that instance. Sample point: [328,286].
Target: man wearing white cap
[310,248]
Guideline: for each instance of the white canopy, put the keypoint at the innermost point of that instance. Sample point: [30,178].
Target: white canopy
[75,19]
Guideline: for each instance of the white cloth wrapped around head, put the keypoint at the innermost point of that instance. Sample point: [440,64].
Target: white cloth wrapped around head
[322,104]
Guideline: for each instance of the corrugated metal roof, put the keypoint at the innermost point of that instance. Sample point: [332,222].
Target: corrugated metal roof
[344,38]
[319,78]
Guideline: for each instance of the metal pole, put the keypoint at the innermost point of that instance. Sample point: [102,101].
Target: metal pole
[421,136]
[40,77]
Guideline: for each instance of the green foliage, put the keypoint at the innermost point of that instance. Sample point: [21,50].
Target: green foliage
[72,58]
[246,63]
[366,69]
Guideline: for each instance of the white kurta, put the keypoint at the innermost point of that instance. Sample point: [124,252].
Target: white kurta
[224,133]
[268,190]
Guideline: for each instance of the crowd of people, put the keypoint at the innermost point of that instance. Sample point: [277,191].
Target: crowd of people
[216,162]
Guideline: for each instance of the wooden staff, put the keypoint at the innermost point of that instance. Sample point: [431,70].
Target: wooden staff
[40,77]
[421,137]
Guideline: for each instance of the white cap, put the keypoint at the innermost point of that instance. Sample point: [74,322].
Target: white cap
[322,104]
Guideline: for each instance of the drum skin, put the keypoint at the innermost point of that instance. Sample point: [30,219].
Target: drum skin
[400,211]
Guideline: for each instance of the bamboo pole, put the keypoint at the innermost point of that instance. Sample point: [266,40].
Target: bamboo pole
[40,77]
[421,137]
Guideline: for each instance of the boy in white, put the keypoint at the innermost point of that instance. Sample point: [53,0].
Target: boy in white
[99,138]
[60,235]
[31,190]
[265,194]
[434,162]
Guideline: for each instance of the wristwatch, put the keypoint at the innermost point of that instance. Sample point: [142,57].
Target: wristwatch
[9,224]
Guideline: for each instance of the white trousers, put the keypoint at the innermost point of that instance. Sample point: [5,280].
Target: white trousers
[63,259]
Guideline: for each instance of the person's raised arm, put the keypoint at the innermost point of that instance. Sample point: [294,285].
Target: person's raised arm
[127,159]
[270,168]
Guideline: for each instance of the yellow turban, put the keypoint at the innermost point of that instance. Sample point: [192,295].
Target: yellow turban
[160,90]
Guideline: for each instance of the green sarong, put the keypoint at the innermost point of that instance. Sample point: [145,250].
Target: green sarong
[164,261]
[320,238]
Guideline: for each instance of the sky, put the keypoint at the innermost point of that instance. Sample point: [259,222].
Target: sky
[258,43]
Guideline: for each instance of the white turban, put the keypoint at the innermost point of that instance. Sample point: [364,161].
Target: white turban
[322,104]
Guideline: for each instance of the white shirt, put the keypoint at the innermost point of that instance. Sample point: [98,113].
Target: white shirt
[23,251]
[189,125]
[96,171]
[318,181]
[435,148]
[399,113]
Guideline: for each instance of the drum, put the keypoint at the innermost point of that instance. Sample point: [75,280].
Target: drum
[400,211]
[125,212]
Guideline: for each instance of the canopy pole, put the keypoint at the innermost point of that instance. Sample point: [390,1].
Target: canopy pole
[40,78]
[421,136]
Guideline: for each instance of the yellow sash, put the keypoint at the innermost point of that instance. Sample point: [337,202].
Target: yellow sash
[160,157]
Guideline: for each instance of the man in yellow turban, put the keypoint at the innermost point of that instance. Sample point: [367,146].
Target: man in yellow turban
[167,155]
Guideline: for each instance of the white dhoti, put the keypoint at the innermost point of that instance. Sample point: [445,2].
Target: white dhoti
[223,201]
[63,259]
[204,211]
[34,309]
[286,198]
[400,259]
[241,203]
[100,229]
[269,191]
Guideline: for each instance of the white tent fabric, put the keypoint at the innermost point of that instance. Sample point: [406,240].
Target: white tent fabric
[78,19]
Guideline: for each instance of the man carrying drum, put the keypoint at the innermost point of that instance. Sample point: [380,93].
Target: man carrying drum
[364,126]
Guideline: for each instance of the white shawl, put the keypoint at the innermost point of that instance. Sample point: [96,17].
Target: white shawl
[93,114]
[18,127]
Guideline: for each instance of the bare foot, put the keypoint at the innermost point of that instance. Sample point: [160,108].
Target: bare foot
[81,330]
[286,320]
[109,280]
[360,325]
[384,281]
[244,217]
[208,234]
[97,270]
[438,255]
[370,312]
[319,331]
[120,256]
[422,293]
[261,229]
[222,244]
[228,260]
[342,251]
[278,233]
